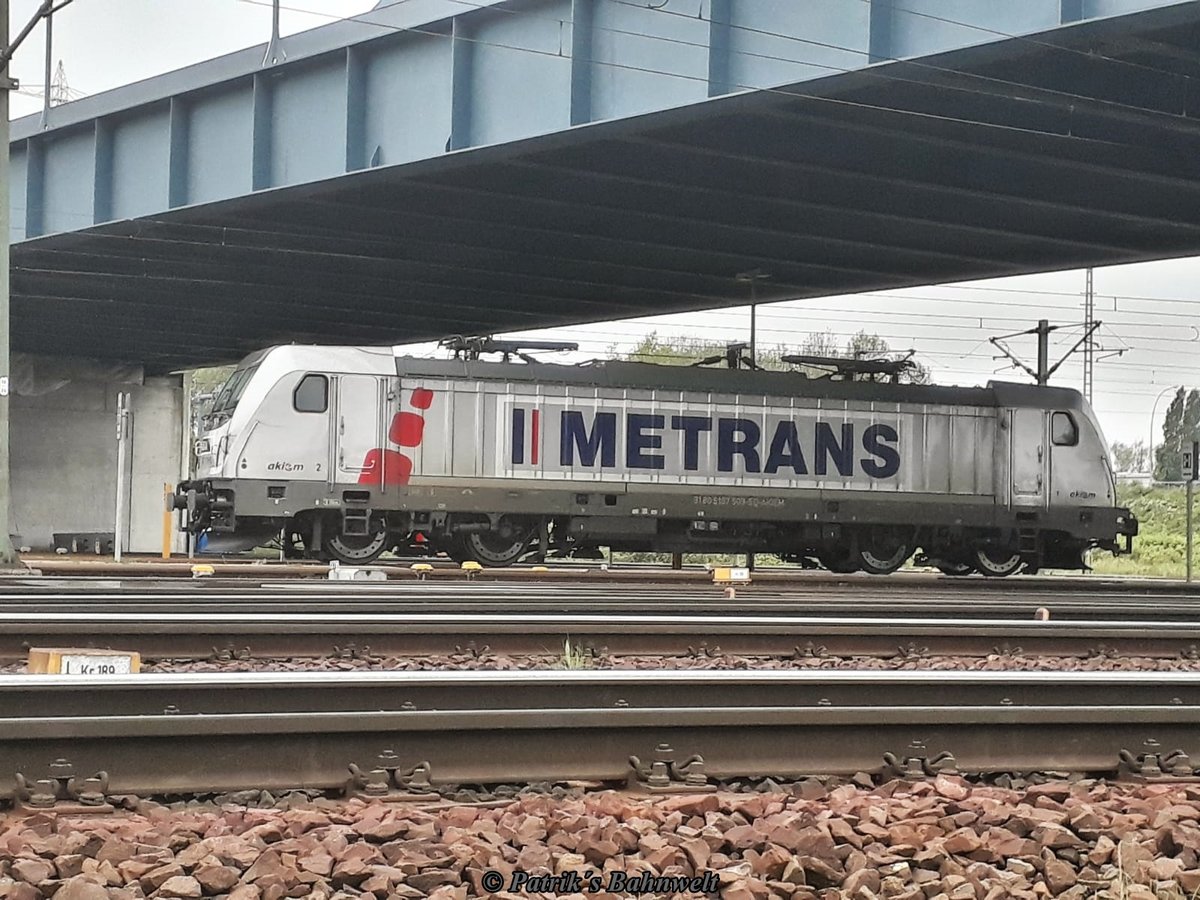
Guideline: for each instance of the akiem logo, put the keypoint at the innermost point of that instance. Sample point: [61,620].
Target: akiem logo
[686,442]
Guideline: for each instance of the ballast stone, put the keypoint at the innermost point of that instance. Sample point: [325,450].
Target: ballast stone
[181,887]
[81,888]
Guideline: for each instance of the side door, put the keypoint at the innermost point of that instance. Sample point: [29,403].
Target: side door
[289,435]
[358,437]
[1027,451]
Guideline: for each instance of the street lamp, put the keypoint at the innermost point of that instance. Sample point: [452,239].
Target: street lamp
[1153,413]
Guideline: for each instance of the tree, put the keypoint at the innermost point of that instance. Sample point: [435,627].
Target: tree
[683,351]
[1168,466]
[202,382]
[201,385]
[820,343]
[872,346]
[1130,457]
[1191,419]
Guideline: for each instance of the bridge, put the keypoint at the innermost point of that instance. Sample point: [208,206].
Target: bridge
[442,166]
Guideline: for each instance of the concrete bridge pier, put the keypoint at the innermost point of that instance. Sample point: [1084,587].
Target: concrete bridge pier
[64,451]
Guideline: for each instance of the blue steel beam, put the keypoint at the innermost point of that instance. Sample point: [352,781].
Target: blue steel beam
[582,14]
[177,153]
[621,59]
[103,176]
[880,30]
[356,110]
[720,46]
[462,59]
[429,175]
[35,187]
[1071,11]
[261,142]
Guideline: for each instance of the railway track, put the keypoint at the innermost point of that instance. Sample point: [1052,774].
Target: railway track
[403,731]
[917,596]
[264,636]
[253,577]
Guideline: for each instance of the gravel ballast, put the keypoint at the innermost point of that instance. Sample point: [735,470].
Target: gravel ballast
[914,661]
[940,839]
[469,661]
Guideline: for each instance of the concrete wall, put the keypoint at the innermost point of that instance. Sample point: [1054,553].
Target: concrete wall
[64,456]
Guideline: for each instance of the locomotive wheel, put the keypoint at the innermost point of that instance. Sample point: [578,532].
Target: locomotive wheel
[492,549]
[884,552]
[997,564]
[356,548]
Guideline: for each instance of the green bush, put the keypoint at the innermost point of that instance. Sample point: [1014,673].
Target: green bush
[1159,548]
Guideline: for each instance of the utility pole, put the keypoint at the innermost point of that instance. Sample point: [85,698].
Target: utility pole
[275,52]
[754,276]
[47,87]
[1191,485]
[122,443]
[7,556]
[1089,346]
[1043,336]
[1191,472]
[1044,370]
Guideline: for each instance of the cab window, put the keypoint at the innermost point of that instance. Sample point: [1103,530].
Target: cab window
[1063,430]
[311,394]
[231,391]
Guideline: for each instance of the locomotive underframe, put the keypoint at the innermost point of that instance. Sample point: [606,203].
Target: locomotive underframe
[831,526]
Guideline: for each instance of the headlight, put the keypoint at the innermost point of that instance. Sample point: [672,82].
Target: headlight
[203,446]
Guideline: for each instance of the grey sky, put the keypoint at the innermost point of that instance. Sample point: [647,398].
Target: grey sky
[107,43]
[949,326]
[1152,309]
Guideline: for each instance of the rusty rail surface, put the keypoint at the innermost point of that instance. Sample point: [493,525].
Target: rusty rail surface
[265,636]
[914,596]
[151,569]
[253,576]
[73,736]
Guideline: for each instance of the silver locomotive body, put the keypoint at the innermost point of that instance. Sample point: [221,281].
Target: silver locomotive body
[347,452]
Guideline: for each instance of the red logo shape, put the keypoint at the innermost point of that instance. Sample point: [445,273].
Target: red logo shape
[407,429]
[383,465]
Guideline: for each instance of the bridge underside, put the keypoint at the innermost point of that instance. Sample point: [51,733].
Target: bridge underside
[1074,148]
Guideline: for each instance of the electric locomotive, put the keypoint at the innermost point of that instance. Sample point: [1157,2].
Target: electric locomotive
[347,452]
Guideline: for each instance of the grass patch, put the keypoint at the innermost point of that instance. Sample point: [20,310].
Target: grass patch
[1159,548]
[574,657]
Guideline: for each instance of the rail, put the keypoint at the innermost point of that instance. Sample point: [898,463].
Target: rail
[273,635]
[197,733]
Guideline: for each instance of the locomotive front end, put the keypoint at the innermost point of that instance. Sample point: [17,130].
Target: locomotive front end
[1083,483]
[207,504]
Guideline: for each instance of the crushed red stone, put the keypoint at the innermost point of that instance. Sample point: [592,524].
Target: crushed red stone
[718,661]
[944,839]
